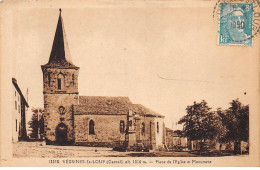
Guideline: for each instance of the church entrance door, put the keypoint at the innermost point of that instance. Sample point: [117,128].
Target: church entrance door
[61,134]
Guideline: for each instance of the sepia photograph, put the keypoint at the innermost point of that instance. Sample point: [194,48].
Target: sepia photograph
[133,83]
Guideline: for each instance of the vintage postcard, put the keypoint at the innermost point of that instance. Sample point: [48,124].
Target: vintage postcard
[130,83]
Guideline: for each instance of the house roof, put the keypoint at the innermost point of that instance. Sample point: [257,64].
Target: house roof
[60,54]
[144,111]
[103,105]
[169,130]
[14,81]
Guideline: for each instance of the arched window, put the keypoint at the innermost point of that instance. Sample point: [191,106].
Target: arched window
[122,126]
[143,128]
[91,127]
[49,79]
[157,127]
[60,81]
[73,78]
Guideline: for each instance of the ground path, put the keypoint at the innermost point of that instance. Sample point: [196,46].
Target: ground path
[37,149]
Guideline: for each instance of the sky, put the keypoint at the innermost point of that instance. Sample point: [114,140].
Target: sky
[164,58]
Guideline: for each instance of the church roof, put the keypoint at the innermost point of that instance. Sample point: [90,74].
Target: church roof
[60,54]
[144,111]
[103,105]
[111,105]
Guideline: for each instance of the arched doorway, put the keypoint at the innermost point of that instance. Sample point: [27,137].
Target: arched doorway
[61,134]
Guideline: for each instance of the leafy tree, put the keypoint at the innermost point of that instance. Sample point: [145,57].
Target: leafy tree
[200,123]
[36,123]
[236,122]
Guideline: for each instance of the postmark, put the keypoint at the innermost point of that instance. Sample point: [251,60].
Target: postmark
[238,21]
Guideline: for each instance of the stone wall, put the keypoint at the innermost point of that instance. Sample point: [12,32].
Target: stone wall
[53,117]
[58,103]
[160,133]
[106,127]
[150,134]
[149,130]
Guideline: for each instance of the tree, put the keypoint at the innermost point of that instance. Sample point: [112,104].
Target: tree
[222,130]
[200,123]
[36,123]
[236,122]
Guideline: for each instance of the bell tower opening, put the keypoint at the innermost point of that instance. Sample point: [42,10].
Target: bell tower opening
[60,80]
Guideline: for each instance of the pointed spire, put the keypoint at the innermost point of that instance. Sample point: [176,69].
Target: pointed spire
[60,55]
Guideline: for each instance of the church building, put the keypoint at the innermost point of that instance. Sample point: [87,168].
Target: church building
[70,119]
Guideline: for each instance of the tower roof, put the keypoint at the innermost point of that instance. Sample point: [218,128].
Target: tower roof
[60,54]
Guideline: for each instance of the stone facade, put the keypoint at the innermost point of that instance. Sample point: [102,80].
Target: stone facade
[159,122]
[149,126]
[106,128]
[53,115]
[68,77]
[60,90]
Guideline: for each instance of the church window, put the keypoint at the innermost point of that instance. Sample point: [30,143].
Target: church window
[122,126]
[15,105]
[49,79]
[143,128]
[73,79]
[157,127]
[91,127]
[18,108]
[60,81]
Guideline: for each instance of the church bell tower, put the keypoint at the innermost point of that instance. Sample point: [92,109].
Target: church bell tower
[60,90]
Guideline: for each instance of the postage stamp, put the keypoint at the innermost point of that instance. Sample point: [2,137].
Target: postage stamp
[236,24]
